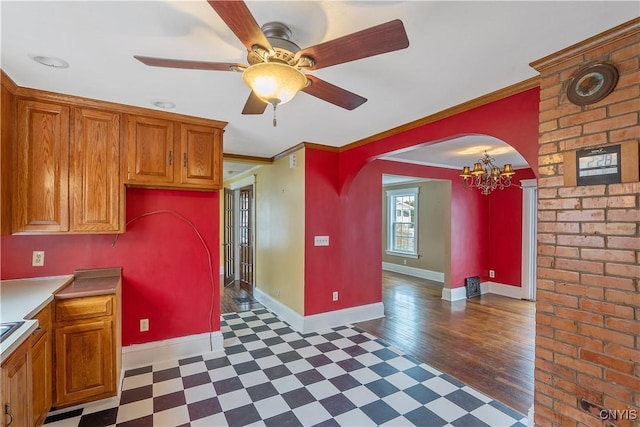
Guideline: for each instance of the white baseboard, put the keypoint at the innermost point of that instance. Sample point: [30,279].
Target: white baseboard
[454,294]
[315,322]
[293,318]
[530,417]
[460,293]
[436,276]
[138,355]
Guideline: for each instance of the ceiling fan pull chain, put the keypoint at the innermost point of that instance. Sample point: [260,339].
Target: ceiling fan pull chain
[274,114]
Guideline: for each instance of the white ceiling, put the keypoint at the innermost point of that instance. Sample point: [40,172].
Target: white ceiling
[458,51]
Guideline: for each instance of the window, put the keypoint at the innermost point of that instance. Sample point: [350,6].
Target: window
[402,235]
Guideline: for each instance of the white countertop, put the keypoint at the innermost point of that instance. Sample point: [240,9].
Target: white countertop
[21,299]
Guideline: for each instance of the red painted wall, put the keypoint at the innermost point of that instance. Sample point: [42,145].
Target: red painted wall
[505,229]
[165,267]
[351,265]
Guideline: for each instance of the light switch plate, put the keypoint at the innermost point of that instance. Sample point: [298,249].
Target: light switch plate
[321,241]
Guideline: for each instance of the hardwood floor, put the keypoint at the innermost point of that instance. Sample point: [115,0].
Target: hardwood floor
[228,305]
[487,342]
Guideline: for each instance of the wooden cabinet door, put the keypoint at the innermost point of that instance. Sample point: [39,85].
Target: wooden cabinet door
[201,150]
[16,388]
[97,195]
[150,153]
[41,364]
[84,362]
[41,186]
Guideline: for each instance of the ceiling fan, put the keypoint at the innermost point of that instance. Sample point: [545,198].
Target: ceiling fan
[274,73]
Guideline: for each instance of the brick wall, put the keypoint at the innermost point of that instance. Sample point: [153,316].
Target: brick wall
[588,309]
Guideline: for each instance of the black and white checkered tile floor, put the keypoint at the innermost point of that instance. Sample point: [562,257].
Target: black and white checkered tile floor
[271,375]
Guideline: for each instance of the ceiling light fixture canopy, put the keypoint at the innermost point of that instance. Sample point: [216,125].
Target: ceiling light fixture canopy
[274,82]
[486,176]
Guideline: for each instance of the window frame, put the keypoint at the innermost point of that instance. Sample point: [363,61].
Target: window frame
[391,214]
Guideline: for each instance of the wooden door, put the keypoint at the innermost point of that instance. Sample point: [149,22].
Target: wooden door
[16,387]
[84,362]
[41,180]
[150,152]
[97,203]
[201,161]
[245,231]
[229,246]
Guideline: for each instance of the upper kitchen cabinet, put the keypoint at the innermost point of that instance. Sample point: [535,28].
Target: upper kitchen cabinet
[7,126]
[173,154]
[41,178]
[66,182]
[97,192]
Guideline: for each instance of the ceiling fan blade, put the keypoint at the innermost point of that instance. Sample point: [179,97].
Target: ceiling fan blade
[333,94]
[190,65]
[254,105]
[372,41]
[241,22]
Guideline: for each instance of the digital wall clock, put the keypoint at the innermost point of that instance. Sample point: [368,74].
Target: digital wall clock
[609,164]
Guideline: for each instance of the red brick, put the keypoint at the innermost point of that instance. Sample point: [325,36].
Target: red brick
[624,242]
[556,322]
[579,365]
[622,379]
[545,261]
[563,133]
[556,346]
[543,353]
[609,282]
[550,159]
[621,297]
[608,124]
[547,193]
[619,365]
[623,215]
[555,204]
[567,252]
[627,326]
[623,352]
[547,170]
[546,238]
[555,181]
[631,133]
[544,330]
[579,391]
[549,285]
[587,191]
[557,298]
[584,141]
[582,241]
[606,308]
[625,270]
[577,414]
[581,215]
[624,188]
[606,335]
[580,340]
[620,228]
[600,385]
[546,249]
[621,108]
[583,117]
[544,307]
[559,227]
[546,215]
[580,316]
[578,265]
[608,255]
[559,275]
[556,370]
[551,147]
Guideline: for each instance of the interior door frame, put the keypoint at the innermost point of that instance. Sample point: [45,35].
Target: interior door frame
[529,237]
[236,186]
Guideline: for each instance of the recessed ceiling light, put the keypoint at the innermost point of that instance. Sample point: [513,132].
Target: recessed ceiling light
[51,61]
[164,104]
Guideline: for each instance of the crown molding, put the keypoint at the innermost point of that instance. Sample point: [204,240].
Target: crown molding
[246,159]
[627,29]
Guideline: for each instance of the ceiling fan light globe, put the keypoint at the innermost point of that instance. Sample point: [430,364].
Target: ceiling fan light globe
[271,81]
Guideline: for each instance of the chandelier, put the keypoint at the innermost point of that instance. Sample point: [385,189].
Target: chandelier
[486,176]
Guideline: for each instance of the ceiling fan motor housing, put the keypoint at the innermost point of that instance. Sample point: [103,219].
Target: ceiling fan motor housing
[278,34]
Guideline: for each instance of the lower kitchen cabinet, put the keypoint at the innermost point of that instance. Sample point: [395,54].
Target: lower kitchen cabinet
[16,387]
[87,366]
[41,367]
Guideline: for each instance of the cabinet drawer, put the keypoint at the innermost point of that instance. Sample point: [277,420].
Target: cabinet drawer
[84,308]
[44,322]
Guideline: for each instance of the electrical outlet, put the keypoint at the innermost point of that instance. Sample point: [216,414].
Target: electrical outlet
[38,259]
[144,325]
[321,241]
[404,261]
[492,274]
[335,295]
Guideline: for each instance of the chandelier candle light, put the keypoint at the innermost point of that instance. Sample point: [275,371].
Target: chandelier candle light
[486,176]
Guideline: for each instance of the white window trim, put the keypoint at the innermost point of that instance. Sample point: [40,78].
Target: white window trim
[391,211]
